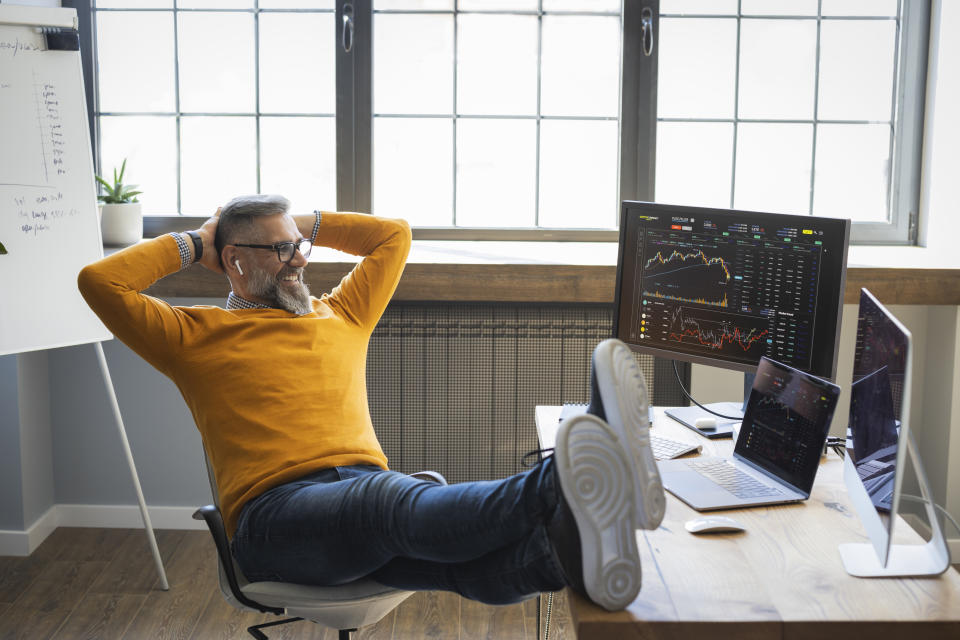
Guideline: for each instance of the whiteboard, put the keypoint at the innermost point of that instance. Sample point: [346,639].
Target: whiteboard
[48,206]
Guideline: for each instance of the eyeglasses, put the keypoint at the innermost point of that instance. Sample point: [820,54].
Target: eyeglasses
[285,250]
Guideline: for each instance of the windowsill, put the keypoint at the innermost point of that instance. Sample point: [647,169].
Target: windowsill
[578,272]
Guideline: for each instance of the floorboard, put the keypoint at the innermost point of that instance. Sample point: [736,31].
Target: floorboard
[102,583]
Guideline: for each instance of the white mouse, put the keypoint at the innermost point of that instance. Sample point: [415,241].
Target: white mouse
[713,524]
[706,423]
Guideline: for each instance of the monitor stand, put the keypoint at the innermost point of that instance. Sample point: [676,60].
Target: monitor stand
[929,559]
[688,416]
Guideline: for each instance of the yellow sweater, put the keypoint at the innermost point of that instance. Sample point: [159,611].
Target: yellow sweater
[275,396]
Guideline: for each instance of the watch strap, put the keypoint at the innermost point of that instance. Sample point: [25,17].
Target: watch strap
[197,244]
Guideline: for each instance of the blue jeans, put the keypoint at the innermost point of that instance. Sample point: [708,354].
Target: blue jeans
[486,541]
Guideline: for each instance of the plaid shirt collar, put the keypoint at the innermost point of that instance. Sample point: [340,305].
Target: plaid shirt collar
[236,302]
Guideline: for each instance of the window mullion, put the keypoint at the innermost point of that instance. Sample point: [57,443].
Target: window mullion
[354,108]
[638,103]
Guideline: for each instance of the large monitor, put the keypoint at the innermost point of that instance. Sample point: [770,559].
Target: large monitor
[723,287]
[878,442]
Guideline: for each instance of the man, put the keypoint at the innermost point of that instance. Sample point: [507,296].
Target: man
[276,385]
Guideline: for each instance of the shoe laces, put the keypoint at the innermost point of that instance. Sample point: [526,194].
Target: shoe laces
[532,458]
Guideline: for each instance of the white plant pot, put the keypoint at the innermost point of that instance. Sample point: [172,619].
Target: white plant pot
[121,224]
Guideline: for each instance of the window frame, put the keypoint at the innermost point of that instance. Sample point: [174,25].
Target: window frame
[637,124]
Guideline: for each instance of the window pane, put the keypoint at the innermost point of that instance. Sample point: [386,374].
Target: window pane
[856,69]
[578,173]
[413,5]
[852,172]
[149,145]
[295,4]
[215,4]
[496,173]
[133,4]
[413,170]
[581,5]
[580,73]
[697,68]
[773,167]
[218,162]
[413,64]
[501,79]
[777,67]
[297,63]
[710,7]
[859,7]
[216,73]
[497,5]
[694,163]
[135,45]
[298,160]
[779,7]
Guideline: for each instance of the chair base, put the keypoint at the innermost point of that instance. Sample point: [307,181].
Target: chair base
[343,634]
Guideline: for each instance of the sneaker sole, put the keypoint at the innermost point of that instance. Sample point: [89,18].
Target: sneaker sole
[594,474]
[619,379]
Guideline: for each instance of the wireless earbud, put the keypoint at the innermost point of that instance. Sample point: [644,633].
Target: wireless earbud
[239,270]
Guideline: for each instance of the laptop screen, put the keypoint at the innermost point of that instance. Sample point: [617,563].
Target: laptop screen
[786,423]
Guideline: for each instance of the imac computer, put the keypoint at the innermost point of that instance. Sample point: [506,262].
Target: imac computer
[878,442]
[724,288]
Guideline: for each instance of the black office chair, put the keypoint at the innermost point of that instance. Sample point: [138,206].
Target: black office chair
[345,607]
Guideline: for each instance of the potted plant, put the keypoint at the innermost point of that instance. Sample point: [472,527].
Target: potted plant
[121,220]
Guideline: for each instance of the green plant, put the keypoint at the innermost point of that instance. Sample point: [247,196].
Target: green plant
[118,193]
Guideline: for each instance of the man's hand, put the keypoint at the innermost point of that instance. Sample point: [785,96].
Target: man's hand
[208,232]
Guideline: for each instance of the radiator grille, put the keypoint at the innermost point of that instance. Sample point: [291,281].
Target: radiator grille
[453,387]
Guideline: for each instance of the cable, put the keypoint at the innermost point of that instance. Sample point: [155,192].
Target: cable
[946,513]
[837,444]
[690,398]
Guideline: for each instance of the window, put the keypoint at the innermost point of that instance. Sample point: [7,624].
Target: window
[471,117]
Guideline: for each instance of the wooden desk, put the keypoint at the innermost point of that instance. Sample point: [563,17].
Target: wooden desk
[781,578]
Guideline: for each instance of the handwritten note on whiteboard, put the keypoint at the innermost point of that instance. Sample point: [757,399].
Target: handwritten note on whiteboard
[48,208]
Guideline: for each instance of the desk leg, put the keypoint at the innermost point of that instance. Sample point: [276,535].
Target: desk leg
[133,470]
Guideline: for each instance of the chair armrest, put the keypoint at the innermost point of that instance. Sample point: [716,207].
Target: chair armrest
[212,516]
[431,476]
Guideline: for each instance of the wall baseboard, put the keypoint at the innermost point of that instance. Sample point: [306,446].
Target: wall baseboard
[23,543]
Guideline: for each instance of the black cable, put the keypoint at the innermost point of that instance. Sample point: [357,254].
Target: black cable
[838,444]
[690,398]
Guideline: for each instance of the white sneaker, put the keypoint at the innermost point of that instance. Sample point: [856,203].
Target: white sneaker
[597,482]
[623,392]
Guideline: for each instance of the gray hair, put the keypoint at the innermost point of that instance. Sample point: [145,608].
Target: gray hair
[237,217]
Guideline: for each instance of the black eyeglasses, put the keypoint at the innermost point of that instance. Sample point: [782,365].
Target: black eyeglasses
[285,250]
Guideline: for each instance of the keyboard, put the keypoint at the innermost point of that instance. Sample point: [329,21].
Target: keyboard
[871,468]
[665,448]
[732,479]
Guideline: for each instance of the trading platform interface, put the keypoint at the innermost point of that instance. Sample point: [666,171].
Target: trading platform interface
[729,286]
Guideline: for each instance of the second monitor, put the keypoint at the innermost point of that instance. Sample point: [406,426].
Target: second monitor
[724,288]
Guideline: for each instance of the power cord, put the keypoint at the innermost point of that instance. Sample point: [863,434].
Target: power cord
[946,514]
[690,398]
[837,444]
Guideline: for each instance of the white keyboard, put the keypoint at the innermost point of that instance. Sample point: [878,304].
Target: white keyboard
[665,448]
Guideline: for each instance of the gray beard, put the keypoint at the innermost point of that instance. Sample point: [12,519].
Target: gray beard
[294,299]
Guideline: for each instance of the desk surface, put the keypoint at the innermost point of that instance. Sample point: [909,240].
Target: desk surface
[781,578]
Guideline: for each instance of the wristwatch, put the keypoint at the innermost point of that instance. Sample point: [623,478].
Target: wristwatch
[197,244]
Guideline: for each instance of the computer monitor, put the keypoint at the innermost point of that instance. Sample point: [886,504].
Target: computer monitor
[878,442]
[723,288]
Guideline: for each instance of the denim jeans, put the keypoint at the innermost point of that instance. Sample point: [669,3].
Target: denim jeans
[484,540]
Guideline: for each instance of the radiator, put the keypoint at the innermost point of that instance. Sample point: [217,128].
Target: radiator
[453,387]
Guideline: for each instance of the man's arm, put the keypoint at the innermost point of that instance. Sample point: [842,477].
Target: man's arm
[112,287]
[364,293]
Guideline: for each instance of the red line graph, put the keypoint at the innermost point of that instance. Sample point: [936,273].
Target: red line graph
[710,338]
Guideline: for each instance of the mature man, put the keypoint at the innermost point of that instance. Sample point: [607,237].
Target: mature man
[276,385]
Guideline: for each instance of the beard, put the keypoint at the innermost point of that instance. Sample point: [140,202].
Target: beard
[290,296]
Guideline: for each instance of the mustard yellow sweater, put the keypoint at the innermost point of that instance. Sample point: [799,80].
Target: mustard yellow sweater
[275,396]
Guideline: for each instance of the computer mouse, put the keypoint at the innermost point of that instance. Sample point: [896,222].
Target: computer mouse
[705,424]
[713,524]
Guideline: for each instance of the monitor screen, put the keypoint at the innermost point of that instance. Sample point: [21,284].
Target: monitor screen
[876,399]
[723,287]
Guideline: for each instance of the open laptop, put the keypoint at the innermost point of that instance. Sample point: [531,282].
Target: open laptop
[778,450]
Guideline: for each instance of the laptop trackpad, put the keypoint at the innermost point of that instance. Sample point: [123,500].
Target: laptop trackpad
[694,489]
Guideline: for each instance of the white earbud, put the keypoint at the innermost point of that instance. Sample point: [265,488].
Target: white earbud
[239,270]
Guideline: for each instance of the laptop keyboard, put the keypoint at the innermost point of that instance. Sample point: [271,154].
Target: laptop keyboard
[732,479]
[665,449]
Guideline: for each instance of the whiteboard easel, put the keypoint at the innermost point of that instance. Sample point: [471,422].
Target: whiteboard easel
[48,209]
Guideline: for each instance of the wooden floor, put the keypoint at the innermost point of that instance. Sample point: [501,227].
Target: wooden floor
[102,583]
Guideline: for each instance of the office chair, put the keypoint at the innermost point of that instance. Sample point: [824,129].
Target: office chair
[345,607]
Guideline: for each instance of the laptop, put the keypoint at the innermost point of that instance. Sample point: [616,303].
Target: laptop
[778,450]
[663,448]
